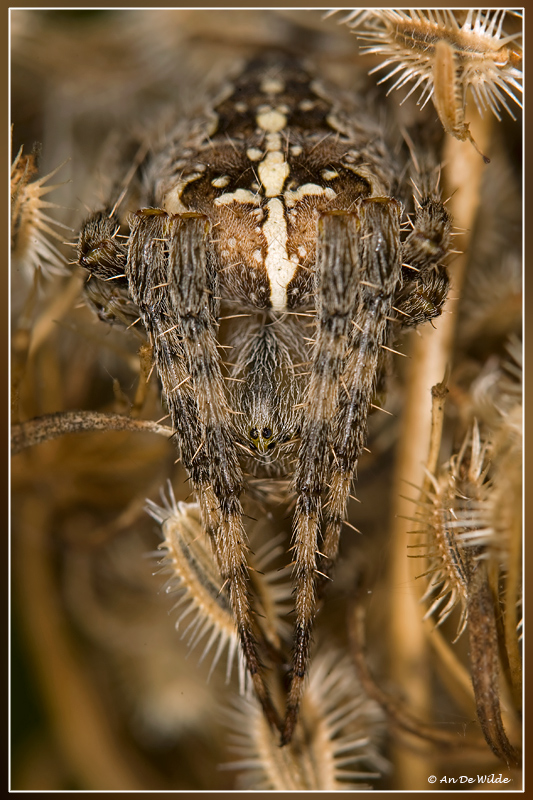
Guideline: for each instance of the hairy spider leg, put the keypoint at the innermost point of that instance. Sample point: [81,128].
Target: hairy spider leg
[180,318]
[379,256]
[338,275]
[419,298]
[425,282]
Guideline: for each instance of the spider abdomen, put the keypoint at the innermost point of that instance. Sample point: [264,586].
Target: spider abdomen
[277,155]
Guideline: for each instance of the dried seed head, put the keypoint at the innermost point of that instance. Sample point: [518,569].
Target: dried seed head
[503,507]
[448,564]
[473,509]
[333,746]
[444,54]
[451,513]
[31,228]
[191,566]
[496,520]
[189,563]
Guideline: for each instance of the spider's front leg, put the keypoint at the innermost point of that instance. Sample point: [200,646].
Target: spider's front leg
[172,279]
[418,296]
[358,266]
[102,254]
[425,282]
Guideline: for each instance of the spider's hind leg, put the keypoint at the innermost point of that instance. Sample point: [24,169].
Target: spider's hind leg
[358,267]
[371,331]
[172,279]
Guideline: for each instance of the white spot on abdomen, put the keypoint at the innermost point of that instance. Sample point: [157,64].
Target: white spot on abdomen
[221,182]
[238,196]
[271,120]
[293,196]
[272,85]
[273,172]
[279,267]
[254,154]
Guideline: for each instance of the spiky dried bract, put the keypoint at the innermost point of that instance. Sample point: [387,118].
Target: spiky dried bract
[473,509]
[445,54]
[31,227]
[448,565]
[506,497]
[193,572]
[449,512]
[334,744]
[493,521]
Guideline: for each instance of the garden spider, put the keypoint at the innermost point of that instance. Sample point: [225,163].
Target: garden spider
[266,260]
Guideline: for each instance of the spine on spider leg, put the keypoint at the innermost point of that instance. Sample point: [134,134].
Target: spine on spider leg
[337,290]
[380,274]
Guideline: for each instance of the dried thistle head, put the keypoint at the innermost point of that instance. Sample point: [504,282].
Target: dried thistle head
[31,228]
[448,565]
[446,54]
[204,606]
[500,515]
[334,748]
[472,509]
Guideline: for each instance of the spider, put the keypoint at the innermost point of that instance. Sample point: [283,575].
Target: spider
[267,261]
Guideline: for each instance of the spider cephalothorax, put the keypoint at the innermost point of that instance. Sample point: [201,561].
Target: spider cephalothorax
[269,269]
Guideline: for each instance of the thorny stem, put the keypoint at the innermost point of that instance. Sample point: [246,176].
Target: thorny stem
[51,426]
[484,664]
[510,597]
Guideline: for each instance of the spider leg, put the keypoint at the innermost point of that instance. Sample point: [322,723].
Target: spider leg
[425,283]
[172,279]
[380,274]
[104,257]
[417,293]
[338,277]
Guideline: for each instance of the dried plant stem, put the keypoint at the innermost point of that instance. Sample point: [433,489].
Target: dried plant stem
[512,584]
[397,712]
[145,367]
[452,671]
[55,310]
[430,359]
[484,663]
[20,345]
[80,723]
[482,626]
[438,397]
[50,426]
[409,656]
